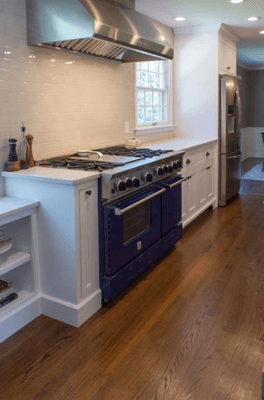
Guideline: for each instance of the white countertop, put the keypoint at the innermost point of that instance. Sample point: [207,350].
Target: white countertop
[178,144]
[54,175]
[11,205]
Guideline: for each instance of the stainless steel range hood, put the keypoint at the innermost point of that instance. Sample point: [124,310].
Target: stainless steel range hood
[102,28]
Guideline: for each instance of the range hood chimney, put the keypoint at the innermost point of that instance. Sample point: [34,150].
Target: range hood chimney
[103,28]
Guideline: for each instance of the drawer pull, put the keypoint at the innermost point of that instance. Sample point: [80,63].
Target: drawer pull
[208,167]
[207,154]
[188,161]
[88,192]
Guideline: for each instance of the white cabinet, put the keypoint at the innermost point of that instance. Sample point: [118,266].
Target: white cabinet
[199,188]
[227,52]
[20,265]
[68,237]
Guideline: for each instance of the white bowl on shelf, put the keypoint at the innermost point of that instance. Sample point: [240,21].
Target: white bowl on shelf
[5,246]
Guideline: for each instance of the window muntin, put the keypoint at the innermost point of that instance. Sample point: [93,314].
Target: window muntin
[152,93]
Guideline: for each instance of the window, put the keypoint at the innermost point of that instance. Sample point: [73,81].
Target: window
[152,93]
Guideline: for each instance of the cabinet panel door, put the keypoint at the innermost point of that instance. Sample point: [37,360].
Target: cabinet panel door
[205,190]
[192,192]
[227,56]
[201,189]
[210,182]
[184,197]
[89,240]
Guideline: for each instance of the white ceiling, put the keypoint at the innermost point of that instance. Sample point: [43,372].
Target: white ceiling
[250,48]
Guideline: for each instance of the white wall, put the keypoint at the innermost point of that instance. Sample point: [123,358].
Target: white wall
[196,84]
[251,142]
[65,106]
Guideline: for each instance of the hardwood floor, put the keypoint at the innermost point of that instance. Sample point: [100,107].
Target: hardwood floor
[191,329]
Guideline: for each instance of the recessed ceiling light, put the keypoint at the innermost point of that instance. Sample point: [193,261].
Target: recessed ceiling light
[180,19]
[237,1]
[261,32]
[253,18]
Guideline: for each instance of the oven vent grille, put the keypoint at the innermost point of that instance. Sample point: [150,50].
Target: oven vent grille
[93,47]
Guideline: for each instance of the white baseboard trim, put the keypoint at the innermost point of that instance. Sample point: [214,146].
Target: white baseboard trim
[19,317]
[69,313]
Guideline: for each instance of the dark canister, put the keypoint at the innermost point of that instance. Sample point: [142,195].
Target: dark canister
[13,153]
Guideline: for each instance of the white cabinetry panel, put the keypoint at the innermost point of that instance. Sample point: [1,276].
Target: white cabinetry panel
[89,240]
[68,231]
[227,52]
[198,191]
[19,266]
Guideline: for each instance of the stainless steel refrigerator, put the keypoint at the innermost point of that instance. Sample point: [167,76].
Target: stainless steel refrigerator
[229,138]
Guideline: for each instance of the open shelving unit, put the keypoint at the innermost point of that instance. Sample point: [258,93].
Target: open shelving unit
[12,259]
[20,264]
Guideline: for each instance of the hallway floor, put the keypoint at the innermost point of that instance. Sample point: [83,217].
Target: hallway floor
[192,328]
[251,186]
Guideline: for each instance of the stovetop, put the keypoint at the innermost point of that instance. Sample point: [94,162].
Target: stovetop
[122,170]
[112,157]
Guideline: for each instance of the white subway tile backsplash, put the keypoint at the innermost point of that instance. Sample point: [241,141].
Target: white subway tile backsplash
[66,100]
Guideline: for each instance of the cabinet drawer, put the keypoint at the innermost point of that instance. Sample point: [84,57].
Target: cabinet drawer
[206,154]
[190,158]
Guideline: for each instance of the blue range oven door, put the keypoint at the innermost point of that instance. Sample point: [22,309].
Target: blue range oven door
[129,227]
[171,204]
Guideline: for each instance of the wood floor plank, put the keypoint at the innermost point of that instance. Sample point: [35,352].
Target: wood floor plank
[191,328]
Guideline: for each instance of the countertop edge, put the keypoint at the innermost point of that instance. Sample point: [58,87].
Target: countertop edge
[47,179]
[16,205]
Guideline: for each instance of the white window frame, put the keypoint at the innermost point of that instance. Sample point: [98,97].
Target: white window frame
[146,129]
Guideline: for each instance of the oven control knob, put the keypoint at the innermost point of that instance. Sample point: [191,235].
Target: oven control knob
[148,177]
[159,171]
[120,186]
[135,182]
[169,168]
[128,182]
[164,169]
[176,164]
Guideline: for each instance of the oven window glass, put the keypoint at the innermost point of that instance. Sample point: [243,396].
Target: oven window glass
[136,221]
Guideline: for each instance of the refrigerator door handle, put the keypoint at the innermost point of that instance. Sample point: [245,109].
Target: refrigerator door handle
[237,156]
[239,110]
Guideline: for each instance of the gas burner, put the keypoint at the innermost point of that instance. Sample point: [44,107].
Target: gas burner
[55,163]
[136,152]
[85,165]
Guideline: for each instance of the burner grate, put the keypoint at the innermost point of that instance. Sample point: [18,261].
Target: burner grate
[78,164]
[142,153]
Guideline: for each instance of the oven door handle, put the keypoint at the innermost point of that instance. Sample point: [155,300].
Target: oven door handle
[119,211]
[175,184]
